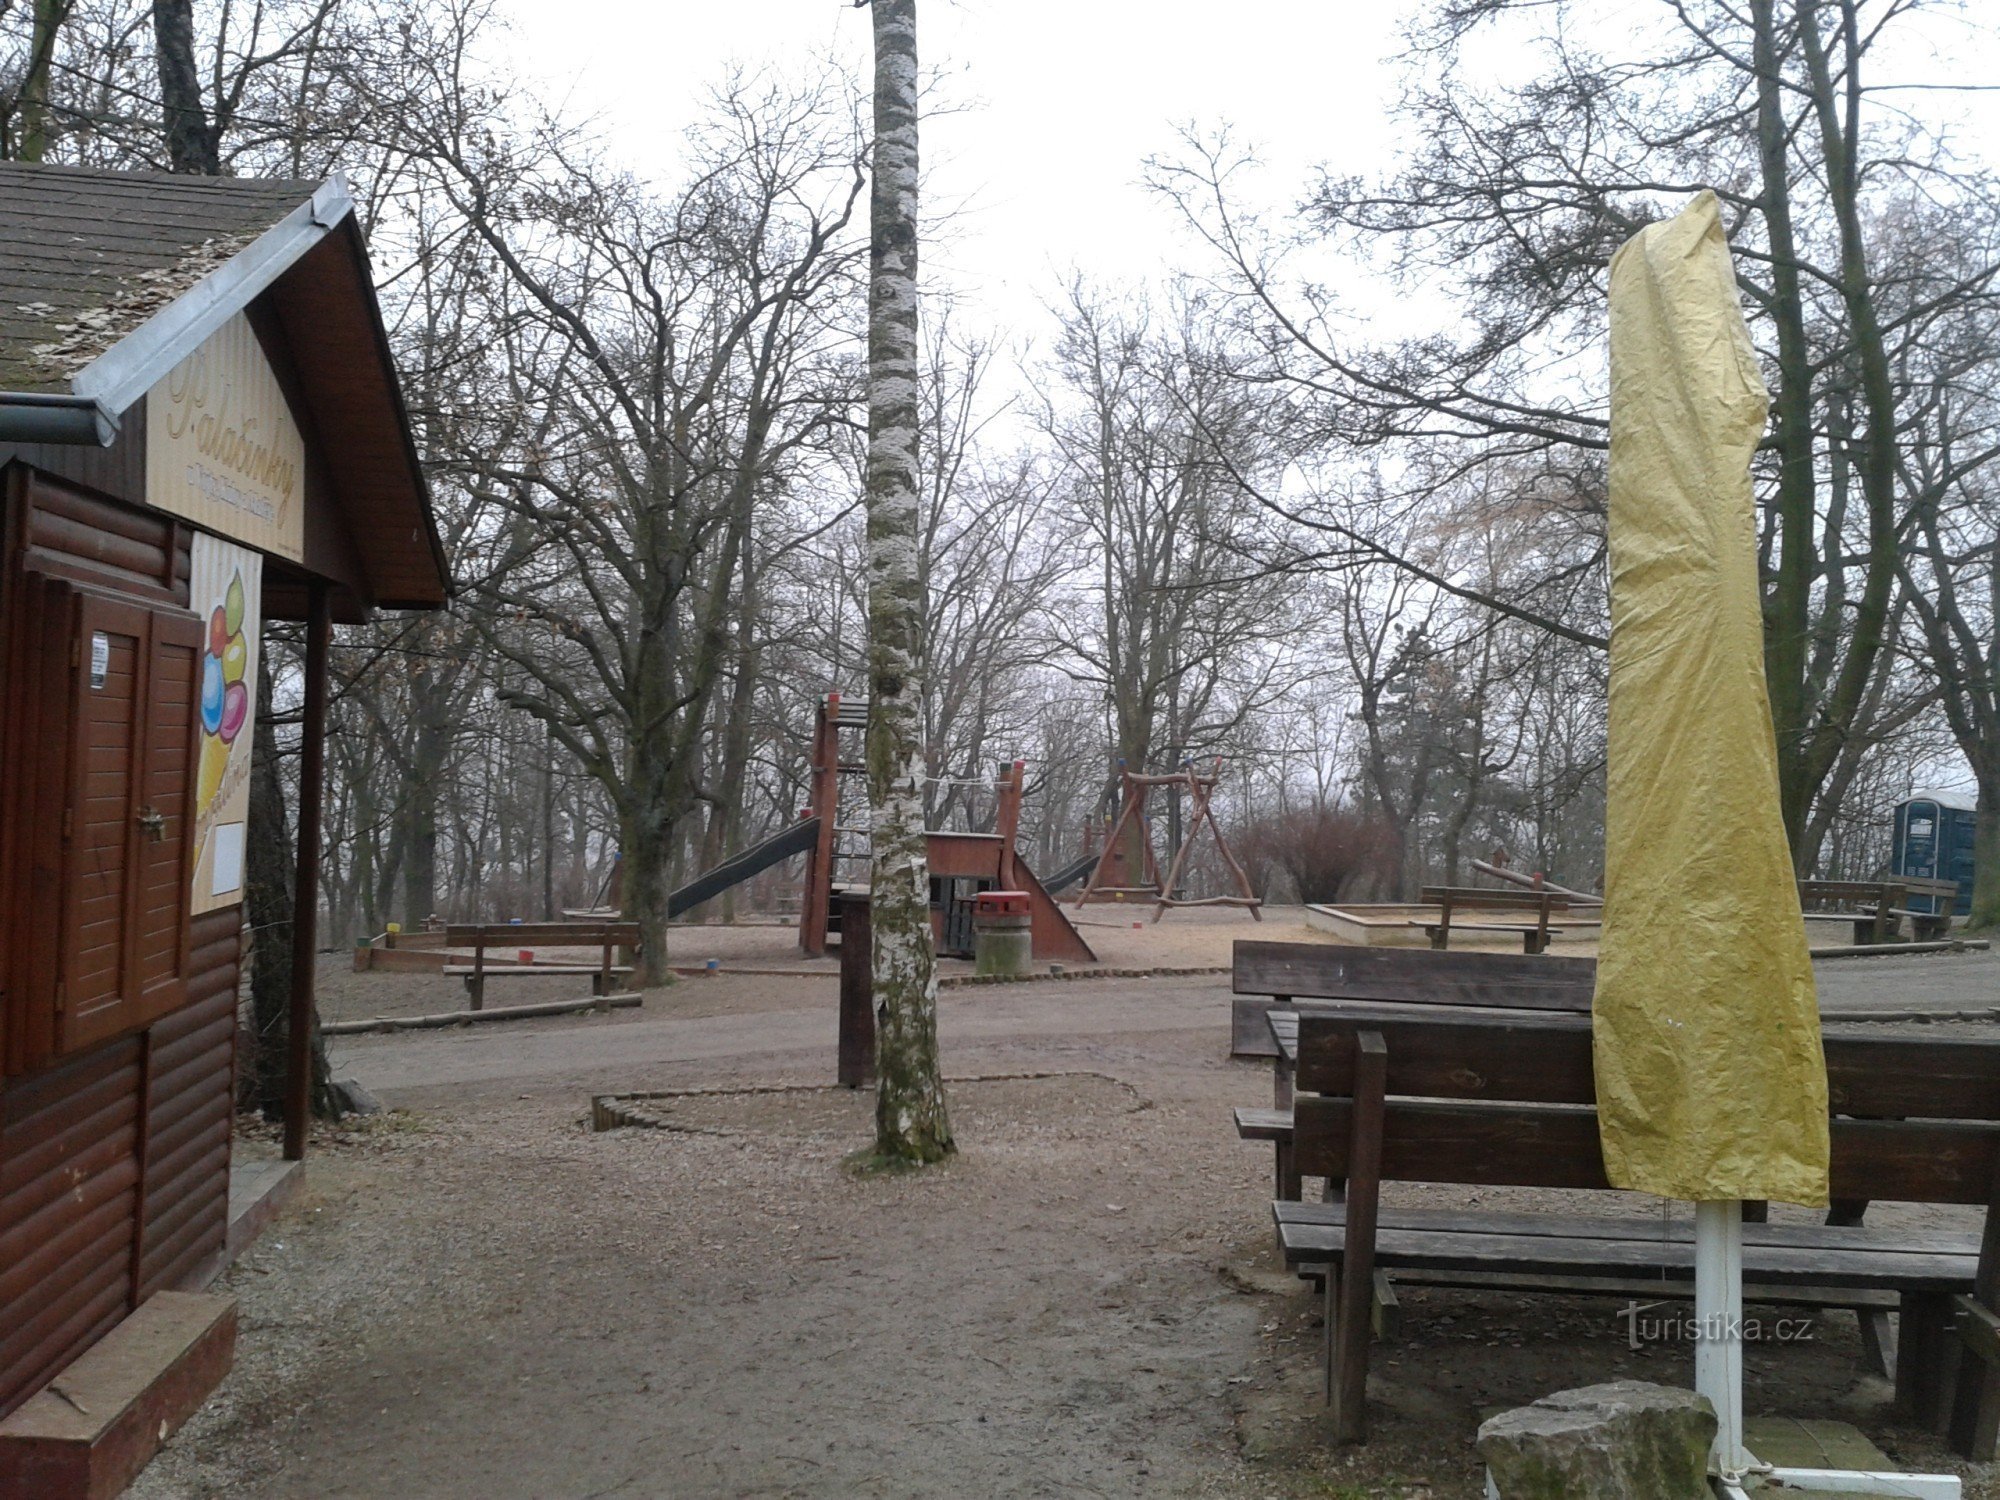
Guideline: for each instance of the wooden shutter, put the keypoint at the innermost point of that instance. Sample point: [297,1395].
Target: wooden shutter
[126,818]
[107,671]
[165,871]
[105,818]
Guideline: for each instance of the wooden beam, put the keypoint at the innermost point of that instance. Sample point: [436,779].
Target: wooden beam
[305,889]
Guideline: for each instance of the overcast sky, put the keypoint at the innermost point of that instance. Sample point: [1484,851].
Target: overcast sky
[1059,103]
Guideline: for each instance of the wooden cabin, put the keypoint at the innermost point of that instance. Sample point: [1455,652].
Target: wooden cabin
[200,430]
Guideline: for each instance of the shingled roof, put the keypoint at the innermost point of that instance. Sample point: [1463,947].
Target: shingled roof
[109,279]
[88,256]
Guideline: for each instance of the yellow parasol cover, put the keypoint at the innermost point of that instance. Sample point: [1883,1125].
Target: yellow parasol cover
[1710,1079]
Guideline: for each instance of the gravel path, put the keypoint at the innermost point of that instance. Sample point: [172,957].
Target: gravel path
[476,1297]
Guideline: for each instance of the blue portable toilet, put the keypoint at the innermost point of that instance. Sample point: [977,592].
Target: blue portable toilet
[1933,841]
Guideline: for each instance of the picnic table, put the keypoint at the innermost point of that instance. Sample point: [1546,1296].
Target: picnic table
[1527,912]
[1875,906]
[606,937]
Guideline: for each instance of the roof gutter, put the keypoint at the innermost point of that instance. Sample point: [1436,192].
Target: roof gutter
[52,417]
[111,383]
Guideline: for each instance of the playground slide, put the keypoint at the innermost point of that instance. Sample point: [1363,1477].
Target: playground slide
[795,839]
[1069,875]
[1055,936]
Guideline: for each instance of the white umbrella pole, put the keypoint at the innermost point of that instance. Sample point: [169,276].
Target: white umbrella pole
[1718,1373]
[1718,1325]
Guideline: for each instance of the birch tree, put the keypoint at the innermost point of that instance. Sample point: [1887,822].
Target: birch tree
[911,1125]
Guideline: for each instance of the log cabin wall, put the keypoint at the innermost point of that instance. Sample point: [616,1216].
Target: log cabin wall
[69,1197]
[114,1156]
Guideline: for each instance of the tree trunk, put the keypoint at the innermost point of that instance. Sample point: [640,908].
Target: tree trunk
[1985,915]
[267,905]
[420,840]
[191,143]
[646,866]
[911,1125]
[1788,595]
[33,99]
[1863,621]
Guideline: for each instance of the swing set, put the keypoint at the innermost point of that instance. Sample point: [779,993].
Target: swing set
[1111,879]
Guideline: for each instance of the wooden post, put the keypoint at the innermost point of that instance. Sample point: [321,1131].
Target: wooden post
[1290,1186]
[305,889]
[1975,1409]
[1347,1370]
[478,986]
[1894,899]
[1198,791]
[856,1066]
[817,898]
[1236,870]
[1007,821]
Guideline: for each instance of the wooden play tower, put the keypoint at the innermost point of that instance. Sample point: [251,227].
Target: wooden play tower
[961,864]
[1113,878]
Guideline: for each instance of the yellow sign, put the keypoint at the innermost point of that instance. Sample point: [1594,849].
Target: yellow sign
[222,448]
[226,591]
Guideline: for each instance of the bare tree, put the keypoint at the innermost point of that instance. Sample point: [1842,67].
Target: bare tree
[668,366]
[1159,444]
[191,139]
[24,107]
[911,1124]
[1511,205]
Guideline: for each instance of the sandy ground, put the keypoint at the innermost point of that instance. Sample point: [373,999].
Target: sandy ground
[476,1297]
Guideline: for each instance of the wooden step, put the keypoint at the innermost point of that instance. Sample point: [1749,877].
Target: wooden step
[88,1432]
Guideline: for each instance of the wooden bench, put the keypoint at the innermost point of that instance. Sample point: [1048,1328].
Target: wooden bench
[1275,1124]
[1530,911]
[1271,976]
[1484,1101]
[1876,906]
[607,937]
[1929,926]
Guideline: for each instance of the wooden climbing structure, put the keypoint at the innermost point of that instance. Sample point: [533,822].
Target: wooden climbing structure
[961,864]
[1113,880]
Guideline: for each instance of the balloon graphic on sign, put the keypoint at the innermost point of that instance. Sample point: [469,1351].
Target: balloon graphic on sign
[211,694]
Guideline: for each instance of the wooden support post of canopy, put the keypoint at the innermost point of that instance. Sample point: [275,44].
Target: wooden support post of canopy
[1010,787]
[817,899]
[305,887]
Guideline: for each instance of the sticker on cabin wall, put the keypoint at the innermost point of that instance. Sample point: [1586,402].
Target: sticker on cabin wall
[100,659]
[226,592]
[226,866]
[222,448]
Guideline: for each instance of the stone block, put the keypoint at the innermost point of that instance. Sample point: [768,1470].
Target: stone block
[1625,1440]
